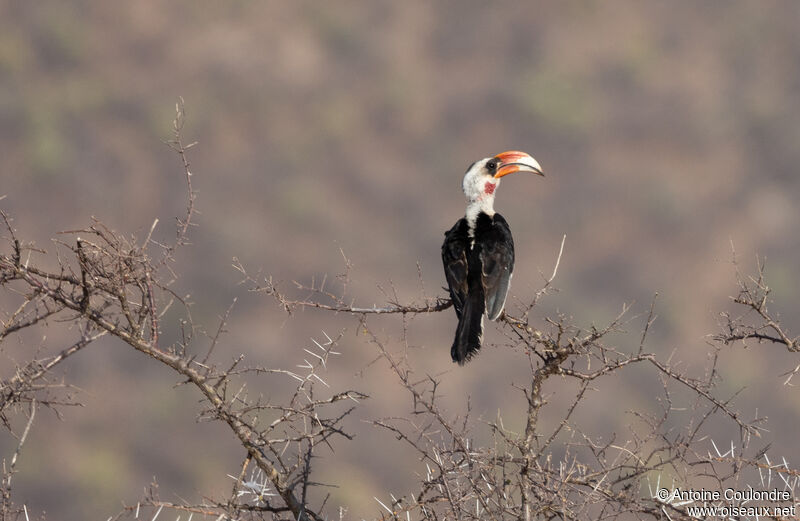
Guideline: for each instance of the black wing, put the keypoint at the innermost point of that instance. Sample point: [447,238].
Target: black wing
[497,263]
[454,258]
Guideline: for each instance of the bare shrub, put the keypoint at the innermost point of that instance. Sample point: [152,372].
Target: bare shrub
[106,284]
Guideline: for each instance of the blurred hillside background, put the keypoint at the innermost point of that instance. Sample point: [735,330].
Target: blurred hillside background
[667,131]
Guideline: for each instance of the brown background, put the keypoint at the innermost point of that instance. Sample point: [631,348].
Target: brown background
[667,131]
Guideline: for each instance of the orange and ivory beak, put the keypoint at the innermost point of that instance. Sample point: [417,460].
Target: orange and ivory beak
[515,161]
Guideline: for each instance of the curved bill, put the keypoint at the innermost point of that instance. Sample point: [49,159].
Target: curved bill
[516,161]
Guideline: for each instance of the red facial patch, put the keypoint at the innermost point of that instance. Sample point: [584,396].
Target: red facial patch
[489,187]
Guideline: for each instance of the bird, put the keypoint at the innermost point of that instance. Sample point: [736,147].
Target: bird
[478,251]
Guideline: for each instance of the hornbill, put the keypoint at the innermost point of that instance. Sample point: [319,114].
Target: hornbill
[478,251]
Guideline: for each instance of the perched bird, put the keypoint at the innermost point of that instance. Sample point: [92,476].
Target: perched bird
[478,251]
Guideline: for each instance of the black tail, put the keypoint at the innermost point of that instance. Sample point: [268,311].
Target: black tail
[469,333]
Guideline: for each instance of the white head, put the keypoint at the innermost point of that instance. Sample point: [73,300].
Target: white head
[483,177]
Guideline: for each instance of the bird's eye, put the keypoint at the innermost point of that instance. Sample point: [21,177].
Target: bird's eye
[491,165]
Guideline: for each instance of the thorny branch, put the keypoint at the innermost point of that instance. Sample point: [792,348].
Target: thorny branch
[563,472]
[111,285]
[754,319]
